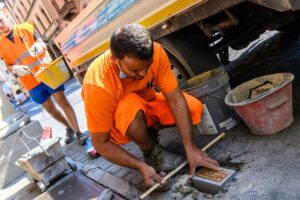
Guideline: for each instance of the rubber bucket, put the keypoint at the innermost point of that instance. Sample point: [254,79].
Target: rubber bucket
[55,74]
[268,112]
[210,88]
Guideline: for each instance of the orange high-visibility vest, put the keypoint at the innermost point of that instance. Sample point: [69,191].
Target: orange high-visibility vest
[17,53]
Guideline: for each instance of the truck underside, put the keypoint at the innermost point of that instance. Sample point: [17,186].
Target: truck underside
[196,38]
[201,42]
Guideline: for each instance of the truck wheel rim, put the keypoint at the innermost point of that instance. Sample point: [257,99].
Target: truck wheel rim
[178,69]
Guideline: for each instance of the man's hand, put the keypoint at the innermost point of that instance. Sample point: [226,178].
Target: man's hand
[37,48]
[196,158]
[150,175]
[20,70]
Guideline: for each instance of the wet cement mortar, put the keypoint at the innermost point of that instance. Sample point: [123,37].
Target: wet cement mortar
[267,166]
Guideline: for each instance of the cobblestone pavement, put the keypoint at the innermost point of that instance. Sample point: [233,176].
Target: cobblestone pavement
[268,169]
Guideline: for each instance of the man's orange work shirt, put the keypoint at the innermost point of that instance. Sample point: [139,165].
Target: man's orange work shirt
[102,87]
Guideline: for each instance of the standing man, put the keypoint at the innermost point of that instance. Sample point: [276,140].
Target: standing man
[121,105]
[24,52]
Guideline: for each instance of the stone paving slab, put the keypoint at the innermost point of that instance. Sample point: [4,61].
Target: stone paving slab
[115,183]
[75,186]
[127,175]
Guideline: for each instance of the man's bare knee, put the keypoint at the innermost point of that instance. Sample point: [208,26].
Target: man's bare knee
[140,116]
[138,132]
[138,123]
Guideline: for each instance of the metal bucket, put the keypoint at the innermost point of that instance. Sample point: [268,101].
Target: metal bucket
[210,88]
[268,112]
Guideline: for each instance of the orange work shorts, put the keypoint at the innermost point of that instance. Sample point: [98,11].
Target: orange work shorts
[156,112]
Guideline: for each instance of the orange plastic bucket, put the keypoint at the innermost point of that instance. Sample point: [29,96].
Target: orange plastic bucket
[55,74]
[270,111]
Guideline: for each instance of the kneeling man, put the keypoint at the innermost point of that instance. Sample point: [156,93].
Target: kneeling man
[122,105]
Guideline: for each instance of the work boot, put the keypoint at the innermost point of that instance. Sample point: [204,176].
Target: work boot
[162,160]
[69,135]
[81,138]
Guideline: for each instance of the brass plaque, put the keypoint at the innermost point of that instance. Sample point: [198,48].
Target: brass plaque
[213,175]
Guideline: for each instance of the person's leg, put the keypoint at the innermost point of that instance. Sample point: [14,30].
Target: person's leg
[131,120]
[125,113]
[160,114]
[154,155]
[40,95]
[138,132]
[68,110]
[49,106]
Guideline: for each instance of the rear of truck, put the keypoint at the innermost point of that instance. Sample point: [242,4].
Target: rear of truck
[196,34]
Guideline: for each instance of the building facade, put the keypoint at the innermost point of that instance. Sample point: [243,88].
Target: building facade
[50,17]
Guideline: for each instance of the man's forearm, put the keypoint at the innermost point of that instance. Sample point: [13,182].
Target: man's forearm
[118,155]
[183,120]
[195,156]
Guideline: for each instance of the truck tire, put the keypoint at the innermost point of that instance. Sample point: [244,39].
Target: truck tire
[189,53]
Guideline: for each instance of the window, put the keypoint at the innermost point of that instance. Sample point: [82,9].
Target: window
[18,19]
[9,5]
[45,15]
[36,28]
[24,7]
[41,23]
[21,14]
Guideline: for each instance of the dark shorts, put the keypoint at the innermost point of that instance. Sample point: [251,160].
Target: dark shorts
[42,92]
